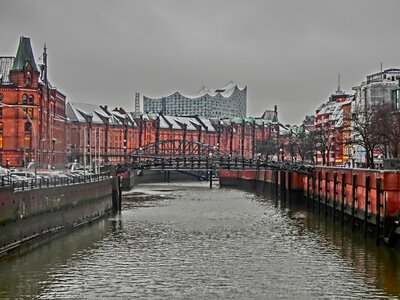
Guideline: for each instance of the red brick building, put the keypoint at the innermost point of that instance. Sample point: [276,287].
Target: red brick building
[36,122]
[29,109]
[333,121]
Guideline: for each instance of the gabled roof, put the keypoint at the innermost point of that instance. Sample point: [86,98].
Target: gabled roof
[188,122]
[171,120]
[24,55]
[78,111]
[271,115]
[206,123]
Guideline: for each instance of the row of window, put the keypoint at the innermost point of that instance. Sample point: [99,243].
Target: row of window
[27,138]
[26,99]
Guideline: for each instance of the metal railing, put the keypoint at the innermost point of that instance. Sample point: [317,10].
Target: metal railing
[45,182]
[214,163]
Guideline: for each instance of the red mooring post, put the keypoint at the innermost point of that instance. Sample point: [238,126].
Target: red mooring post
[343,196]
[334,196]
[378,210]
[353,199]
[366,204]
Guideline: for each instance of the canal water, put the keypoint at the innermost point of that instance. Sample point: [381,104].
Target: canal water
[189,241]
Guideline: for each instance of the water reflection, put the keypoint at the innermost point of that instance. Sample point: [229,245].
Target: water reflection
[23,275]
[189,241]
[381,265]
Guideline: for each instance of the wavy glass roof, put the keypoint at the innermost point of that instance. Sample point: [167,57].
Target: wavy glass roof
[226,92]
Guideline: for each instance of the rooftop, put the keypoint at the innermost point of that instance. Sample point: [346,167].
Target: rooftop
[24,55]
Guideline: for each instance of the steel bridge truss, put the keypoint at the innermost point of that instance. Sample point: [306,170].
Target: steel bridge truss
[177,149]
[189,155]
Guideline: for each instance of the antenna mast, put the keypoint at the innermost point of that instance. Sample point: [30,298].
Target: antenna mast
[339,91]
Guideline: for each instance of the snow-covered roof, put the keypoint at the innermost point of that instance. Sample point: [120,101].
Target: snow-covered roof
[77,111]
[334,111]
[189,122]
[208,124]
[171,120]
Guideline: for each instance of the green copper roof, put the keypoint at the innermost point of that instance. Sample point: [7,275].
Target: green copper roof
[24,55]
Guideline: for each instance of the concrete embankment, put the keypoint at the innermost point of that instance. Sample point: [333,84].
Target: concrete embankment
[32,215]
[367,200]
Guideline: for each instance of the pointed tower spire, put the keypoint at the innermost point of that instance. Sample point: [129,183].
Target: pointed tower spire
[24,55]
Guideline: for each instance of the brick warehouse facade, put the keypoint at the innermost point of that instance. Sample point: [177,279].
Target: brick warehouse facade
[36,121]
[29,126]
[109,135]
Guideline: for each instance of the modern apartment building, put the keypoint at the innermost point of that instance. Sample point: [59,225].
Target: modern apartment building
[378,88]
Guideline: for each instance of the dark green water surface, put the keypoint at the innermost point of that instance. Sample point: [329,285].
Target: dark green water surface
[189,241]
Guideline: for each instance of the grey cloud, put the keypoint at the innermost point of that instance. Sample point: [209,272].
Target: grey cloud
[287,52]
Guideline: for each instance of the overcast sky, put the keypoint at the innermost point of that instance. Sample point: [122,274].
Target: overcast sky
[287,52]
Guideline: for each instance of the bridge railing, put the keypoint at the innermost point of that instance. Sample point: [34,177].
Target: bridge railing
[211,162]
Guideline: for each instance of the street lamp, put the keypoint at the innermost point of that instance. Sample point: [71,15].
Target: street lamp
[281,152]
[209,165]
[140,154]
[33,130]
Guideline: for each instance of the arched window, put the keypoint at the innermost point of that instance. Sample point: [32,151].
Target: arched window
[30,100]
[28,127]
[24,99]
[1,98]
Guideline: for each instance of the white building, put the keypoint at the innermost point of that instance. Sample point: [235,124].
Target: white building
[377,89]
[228,102]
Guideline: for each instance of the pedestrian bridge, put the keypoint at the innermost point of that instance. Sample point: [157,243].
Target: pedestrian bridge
[190,155]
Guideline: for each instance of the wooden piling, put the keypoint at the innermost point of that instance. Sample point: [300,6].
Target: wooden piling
[326,193]
[283,185]
[308,191]
[313,190]
[334,196]
[378,210]
[343,196]
[319,192]
[366,204]
[353,199]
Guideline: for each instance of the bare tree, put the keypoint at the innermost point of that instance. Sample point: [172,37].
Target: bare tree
[323,142]
[367,131]
[267,147]
[291,144]
[306,145]
[386,124]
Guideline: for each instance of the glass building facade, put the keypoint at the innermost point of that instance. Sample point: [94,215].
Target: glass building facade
[228,102]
